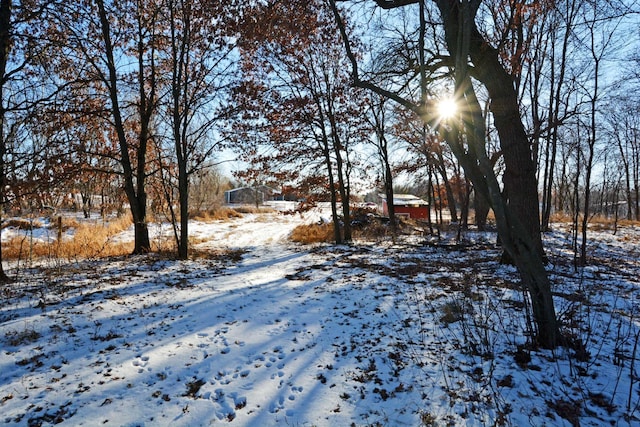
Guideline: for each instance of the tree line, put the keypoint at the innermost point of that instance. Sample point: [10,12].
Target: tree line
[324,94]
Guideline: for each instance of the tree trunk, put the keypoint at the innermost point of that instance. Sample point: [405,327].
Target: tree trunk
[481,208]
[388,190]
[183,192]
[142,244]
[343,189]
[4,278]
[451,199]
[518,218]
[464,208]
[5,46]
[337,232]
[383,152]
[520,173]
[391,209]
[137,199]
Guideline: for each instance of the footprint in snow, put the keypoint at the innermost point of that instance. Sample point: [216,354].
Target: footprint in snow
[295,390]
[141,362]
[242,374]
[277,406]
[222,330]
[227,404]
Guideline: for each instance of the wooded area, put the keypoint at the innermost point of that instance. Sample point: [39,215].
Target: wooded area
[133,101]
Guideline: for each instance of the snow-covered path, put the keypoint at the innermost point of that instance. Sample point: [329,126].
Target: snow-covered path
[263,341]
[258,331]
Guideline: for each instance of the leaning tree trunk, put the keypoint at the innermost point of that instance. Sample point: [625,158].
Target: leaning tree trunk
[520,173]
[518,218]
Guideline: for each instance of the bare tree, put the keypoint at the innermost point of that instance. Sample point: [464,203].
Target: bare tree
[625,131]
[200,69]
[600,38]
[377,116]
[5,50]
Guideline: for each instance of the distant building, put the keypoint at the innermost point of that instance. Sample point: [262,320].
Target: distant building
[406,205]
[251,195]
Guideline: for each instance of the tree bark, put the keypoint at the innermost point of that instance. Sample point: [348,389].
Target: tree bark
[481,208]
[451,199]
[5,47]
[520,172]
[183,195]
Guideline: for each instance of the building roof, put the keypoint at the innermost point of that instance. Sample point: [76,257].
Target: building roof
[406,200]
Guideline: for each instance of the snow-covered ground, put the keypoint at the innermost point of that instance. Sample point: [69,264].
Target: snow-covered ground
[259,331]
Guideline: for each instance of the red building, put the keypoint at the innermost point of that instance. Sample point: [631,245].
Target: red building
[406,205]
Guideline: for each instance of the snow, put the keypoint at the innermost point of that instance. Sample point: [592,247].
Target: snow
[265,332]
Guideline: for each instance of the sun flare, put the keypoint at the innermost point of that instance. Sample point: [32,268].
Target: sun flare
[447,108]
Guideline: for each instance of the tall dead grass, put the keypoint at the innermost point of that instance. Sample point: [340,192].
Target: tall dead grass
[88,241]
[596,222]
[227,213]
[247,209]
[313,233]
[324,233]
[219,214]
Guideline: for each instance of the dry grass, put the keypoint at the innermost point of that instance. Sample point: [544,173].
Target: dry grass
[88,241]
[560,217]
[313,233]
[247,209]
[226,213]
[219,214]
[375,231]
[600,223]
[324,233]
[596,223]
[22,337]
